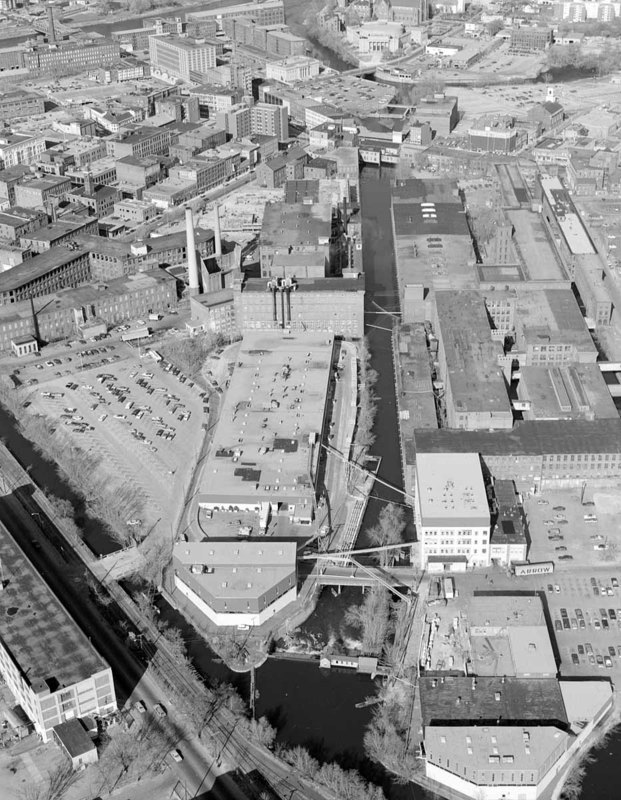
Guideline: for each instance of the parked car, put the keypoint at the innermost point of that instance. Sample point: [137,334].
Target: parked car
[140,707]
[608,662]
[566,557]
[176,755]
[558,624]
[575,659]
[159,710]
[580,649]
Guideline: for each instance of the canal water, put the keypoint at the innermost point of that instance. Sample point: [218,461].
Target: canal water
[312,707]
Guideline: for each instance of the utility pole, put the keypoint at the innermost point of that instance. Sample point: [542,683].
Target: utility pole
[253,691]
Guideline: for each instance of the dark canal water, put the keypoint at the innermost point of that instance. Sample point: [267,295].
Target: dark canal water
[308,706]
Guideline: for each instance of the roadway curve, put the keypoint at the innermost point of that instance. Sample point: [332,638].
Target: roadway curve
[64,572]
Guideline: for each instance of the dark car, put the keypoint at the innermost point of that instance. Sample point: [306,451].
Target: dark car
[566,557]
[575,659]
[605,624]
[558,625]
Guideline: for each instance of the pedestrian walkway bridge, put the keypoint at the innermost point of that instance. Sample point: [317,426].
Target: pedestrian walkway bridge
[333,575]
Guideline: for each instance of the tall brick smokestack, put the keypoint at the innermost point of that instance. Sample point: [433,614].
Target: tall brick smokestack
[195,286]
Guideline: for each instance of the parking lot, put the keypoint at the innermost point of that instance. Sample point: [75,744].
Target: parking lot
[573,530]
[142,418]
[585,613]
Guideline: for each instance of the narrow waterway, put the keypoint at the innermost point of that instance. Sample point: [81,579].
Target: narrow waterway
[46,475]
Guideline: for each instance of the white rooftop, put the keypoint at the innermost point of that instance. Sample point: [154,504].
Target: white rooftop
[450,490]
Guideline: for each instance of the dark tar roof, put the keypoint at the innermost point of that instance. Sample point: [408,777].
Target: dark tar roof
[38,266]
[459,700]
[312,284]
[527,438]
[74,738]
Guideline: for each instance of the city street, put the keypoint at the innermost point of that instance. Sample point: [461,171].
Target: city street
[64,574]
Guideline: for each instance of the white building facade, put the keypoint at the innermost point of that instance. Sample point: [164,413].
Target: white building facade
[451,508]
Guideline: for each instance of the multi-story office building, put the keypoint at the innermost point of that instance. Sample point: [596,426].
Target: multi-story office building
[59,316]
[550,329]
[333,305]
[295,240]
[111,258]
[48,664]
[292,69]
[451,510]
[575,248]
[440,111]
[46,273]
[20,148]
[475,391]
[213,98]
[18,222]
[262,118]
[529,39]
[64,58]
[236,583]
[269,120]
[538,454]
[271,12]
[38,192]
[494,133]
[20,104]
[280,439]
[145,141]
[178,57]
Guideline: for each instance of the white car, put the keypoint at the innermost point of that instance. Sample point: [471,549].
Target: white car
[102,417]
[176,755]
[119,416]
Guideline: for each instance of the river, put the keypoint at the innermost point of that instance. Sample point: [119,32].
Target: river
[309,706]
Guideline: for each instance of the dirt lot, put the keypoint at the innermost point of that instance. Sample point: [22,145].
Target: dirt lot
[141,419]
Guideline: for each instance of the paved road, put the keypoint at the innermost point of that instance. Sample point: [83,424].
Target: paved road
[64,572]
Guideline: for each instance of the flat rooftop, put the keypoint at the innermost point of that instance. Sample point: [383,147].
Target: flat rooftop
[538,259]
[509,750]
[451,490]
[476,381]
[272,415]
[296,225]
[461,699]
[574,391]
[235,570]
[37,630]
[38,266]
[433,245]
[551,317]
[510,522]
[86,294]
[568,219]
[254,285]
[527,438]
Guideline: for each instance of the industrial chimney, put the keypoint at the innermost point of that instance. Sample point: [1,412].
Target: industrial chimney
[191,253]
[218,233]
[51,33]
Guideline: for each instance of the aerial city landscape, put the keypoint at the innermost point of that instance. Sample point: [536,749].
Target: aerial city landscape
[310,396]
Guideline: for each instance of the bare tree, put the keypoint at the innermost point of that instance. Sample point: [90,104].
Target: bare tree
[389,530]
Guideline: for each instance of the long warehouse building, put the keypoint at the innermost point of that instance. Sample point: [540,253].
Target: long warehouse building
[51,668]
